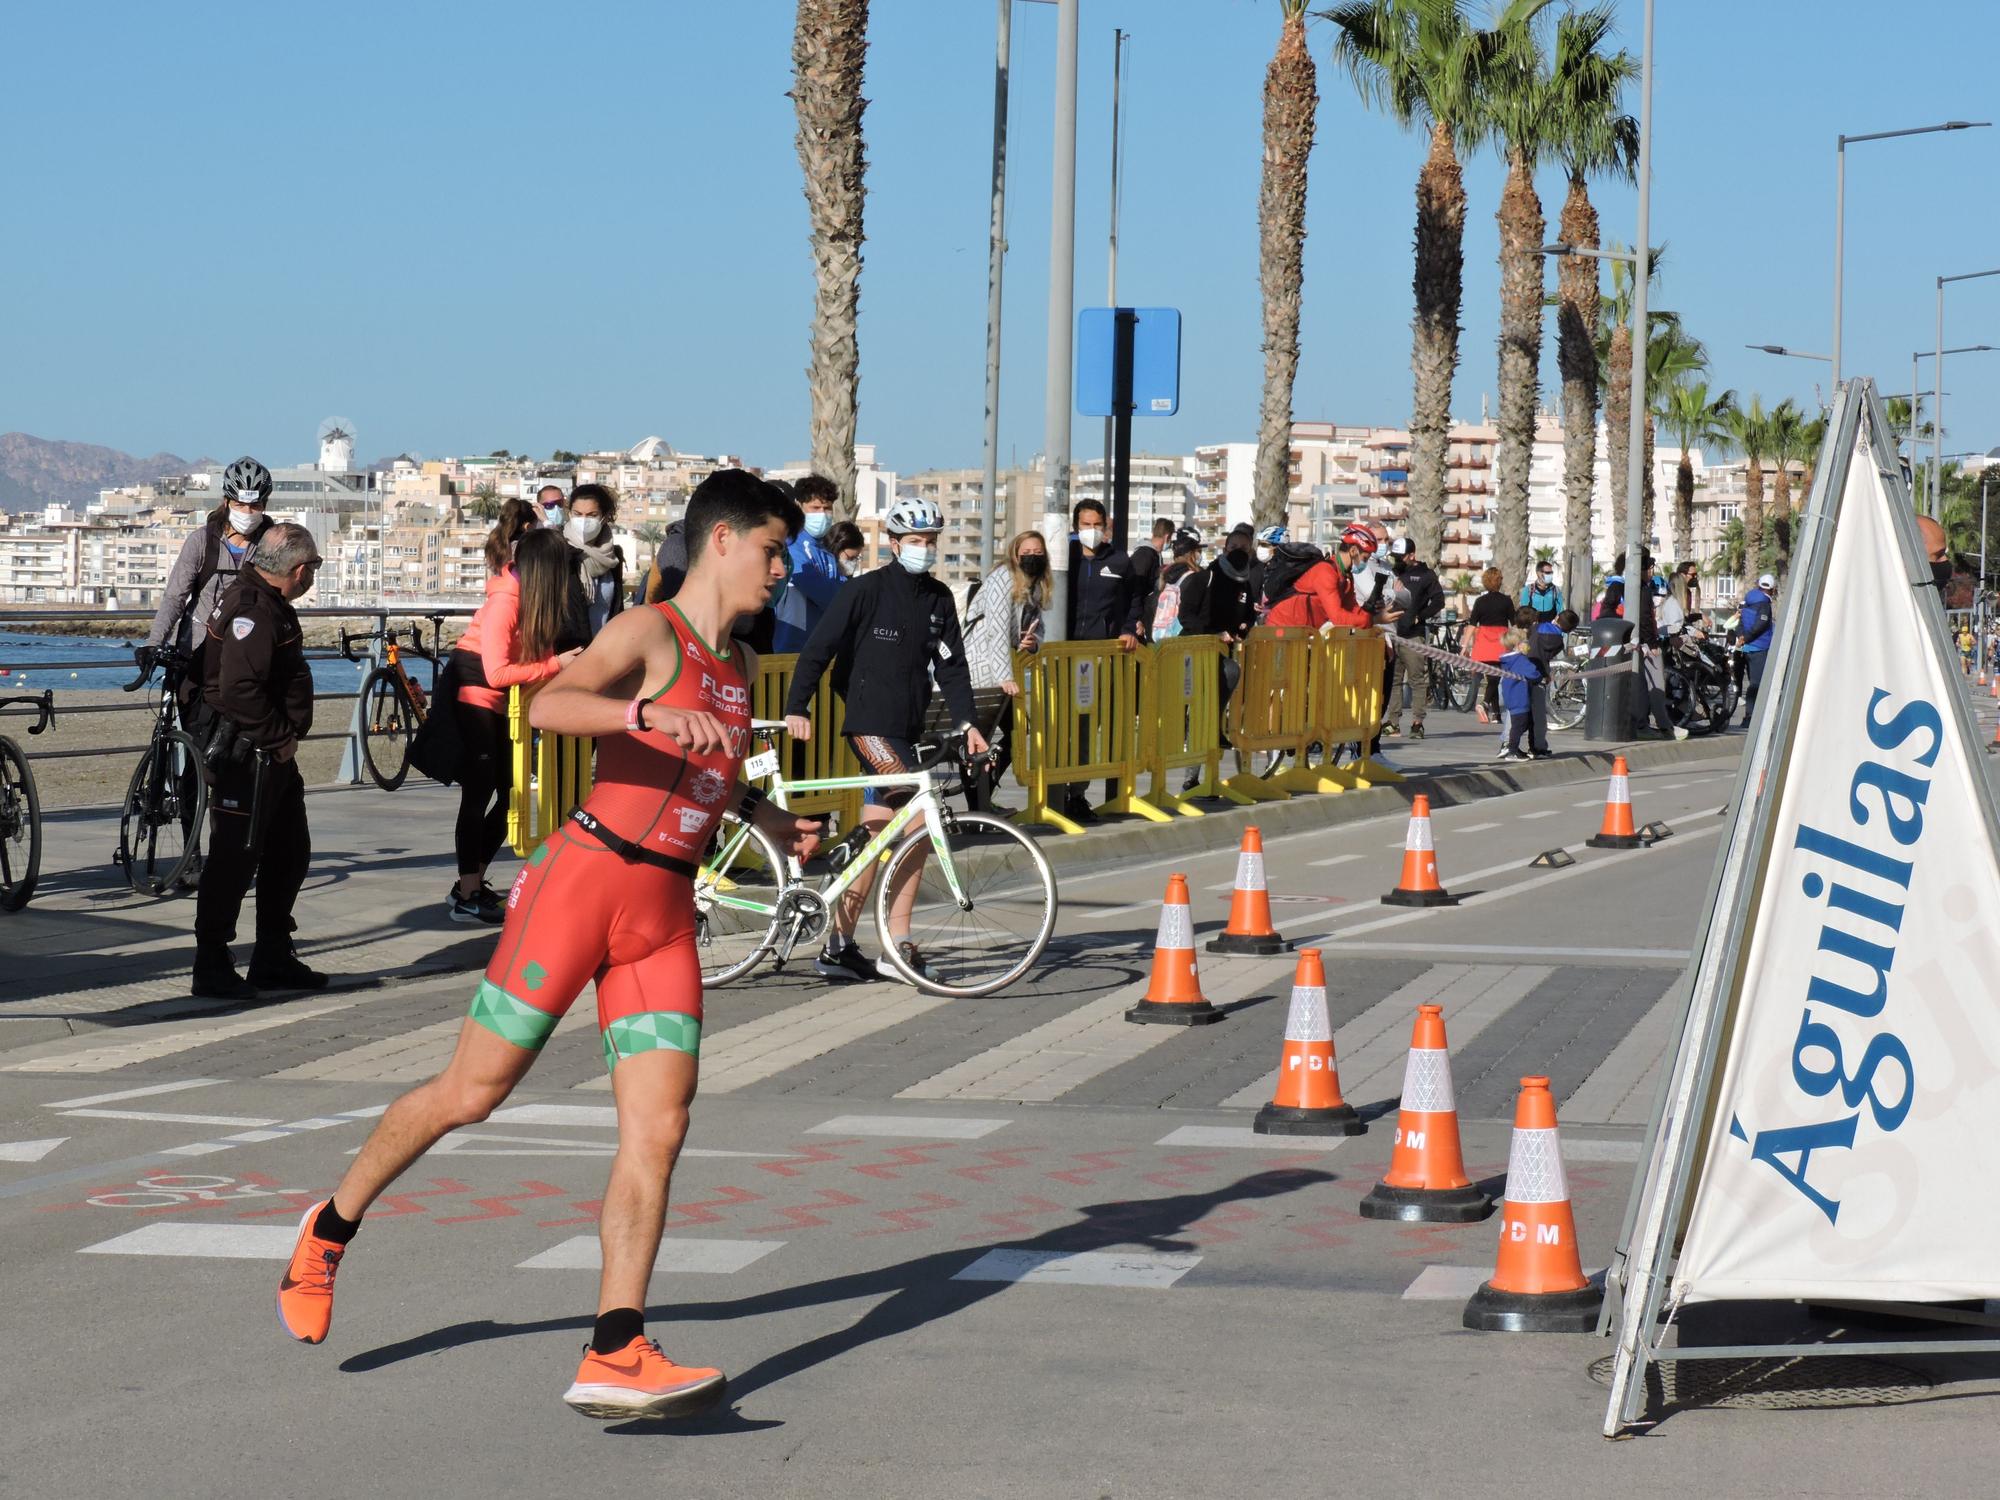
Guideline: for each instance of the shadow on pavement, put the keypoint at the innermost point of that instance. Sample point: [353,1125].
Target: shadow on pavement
[913,1293]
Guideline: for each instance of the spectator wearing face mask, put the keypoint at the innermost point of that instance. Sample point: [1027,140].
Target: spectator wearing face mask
[1541,594]
[816,571]
[210,560]
[1103,606]
[1235,584]
[1005,617]
[600,564]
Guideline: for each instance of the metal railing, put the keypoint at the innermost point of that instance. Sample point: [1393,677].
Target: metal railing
[147,703]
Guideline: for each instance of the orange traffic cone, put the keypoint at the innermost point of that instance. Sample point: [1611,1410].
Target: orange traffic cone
[1174,997]
[1419,885]
[1307,1100]
[1617,832]
[1427,1182]
[1994,690]
[1538,1284]
[1250,930]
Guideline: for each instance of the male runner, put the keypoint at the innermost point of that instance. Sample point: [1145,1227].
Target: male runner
[610,895]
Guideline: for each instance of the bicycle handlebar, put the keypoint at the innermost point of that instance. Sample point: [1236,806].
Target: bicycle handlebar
[44,703]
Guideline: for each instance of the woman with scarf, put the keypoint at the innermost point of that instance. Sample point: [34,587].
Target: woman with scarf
[600,566]
[1005,616]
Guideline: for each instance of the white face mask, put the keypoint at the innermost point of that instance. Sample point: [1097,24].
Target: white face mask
[817,522]
[851,566]
[1088,538]
[245,521]
[1264,553]
[584,528]
[915,557]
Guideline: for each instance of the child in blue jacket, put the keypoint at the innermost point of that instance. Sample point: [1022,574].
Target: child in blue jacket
[1524,695]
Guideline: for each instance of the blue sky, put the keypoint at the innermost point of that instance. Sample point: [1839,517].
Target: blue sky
[470,226]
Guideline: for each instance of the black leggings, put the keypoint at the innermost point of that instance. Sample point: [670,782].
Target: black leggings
[486,780]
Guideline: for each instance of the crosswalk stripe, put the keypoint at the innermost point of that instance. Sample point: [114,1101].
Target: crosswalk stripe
[208,1241]
[1373,1047]
[123,1094]
[1618,1091]
[1134,1268]
[161,1117]
[583,1252]
[165,1038]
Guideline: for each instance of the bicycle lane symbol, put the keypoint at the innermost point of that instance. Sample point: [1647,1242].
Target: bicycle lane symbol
[163,1192]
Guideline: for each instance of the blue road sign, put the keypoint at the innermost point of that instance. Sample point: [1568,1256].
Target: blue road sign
[1156,361]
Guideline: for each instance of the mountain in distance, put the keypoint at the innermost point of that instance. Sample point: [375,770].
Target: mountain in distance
[35,472]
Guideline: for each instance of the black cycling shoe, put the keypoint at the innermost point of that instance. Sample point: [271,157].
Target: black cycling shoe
[215,976]
[849,966]
[283,971]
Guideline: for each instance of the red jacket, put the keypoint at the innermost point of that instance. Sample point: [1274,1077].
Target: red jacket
[1324,596]
[494,636]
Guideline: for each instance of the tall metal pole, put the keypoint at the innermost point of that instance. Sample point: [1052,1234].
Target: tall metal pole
[1913,419]
[996,256]
[1062,316]
[1642,272]
[1111,292]
[1979,599]
[1839,249]
[1937,406]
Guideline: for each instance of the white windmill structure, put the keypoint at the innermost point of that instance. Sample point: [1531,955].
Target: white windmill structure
[336,446]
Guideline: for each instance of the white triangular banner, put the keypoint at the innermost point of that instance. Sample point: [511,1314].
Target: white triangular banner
[1854,1145]
[29,1150]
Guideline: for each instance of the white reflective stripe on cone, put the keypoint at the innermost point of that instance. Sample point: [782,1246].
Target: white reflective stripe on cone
[1176,927]
[1419,836]
[1535,1168]
[1307,1021]
[1427,1082]
[1249,872]
[1621,789]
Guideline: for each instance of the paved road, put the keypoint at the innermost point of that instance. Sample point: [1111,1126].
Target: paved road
[1002,1247]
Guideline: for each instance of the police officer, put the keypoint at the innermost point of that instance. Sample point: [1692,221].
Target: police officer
[259,693]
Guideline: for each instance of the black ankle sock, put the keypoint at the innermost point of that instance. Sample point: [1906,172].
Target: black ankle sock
[616,1329]
[330,1226]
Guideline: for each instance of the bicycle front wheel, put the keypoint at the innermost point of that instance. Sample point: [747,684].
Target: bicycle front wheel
[736,901]
[159,831]
[983,943]
[20,828]
[388,723]
[1566,696]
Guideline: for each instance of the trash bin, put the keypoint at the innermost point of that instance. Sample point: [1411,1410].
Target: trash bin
[1607,702]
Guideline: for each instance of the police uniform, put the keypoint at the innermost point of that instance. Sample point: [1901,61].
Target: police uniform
[256,680]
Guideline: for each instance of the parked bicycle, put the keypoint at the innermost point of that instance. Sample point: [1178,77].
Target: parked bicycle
[159,830]
[1452,686]
[393,703]
[985,896]
[20,808]
[1567,687]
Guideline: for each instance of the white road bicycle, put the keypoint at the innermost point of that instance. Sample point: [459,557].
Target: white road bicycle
[985,903]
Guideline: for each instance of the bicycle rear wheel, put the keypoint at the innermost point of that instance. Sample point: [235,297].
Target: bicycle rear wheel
[1566,696]
[159,831]
[20,828]
[736,901]
[388,724]
[985,943]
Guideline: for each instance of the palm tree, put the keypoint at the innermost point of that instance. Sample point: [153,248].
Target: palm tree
[1425,64]
[1749,428]
[1291,95]
[1811,436]
[1728,559]
[829,43]
[1614,358]
[485,504]
[1696,420]
[1592,138]
[1672,355]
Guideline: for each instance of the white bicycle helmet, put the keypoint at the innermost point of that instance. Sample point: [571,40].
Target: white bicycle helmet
[912,513]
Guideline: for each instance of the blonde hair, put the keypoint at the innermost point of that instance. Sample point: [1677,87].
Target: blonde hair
[1024,586]
[1512,639]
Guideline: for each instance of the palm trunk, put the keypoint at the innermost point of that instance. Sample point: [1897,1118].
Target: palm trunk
[1618,429]
[1779,522]
[1684,506]
[1439,281]
[1521,292]
[1646,485]
[1291,95]
[829,44]
[1576,358]
[1753,518]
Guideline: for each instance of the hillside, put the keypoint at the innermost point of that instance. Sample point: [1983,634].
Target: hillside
[39,471]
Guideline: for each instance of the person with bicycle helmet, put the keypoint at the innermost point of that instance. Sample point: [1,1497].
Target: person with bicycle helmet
[209,560]
[885,636]
[1320,594]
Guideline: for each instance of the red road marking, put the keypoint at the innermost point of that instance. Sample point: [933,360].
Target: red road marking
[499,1207]
[804,1217]
[907,1219]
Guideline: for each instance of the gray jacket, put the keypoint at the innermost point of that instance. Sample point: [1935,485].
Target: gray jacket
[994,624]
[180,615]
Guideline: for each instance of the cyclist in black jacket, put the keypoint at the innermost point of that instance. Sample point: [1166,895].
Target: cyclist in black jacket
[886,635]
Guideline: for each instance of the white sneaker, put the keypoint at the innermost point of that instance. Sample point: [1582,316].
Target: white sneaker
[1680,733]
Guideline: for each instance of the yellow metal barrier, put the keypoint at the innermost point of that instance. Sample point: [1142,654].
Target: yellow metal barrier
[1079,718]
[1180,710]
[1344,690]
[1271,712]
[552,776]
[827,754]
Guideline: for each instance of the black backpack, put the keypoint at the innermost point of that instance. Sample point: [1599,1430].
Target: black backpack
[1289,561]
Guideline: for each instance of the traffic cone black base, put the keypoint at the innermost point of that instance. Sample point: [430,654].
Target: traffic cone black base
[1200,1013]
[1249,947]
[1420,898]
[1341,1119]
[1466,1205]
[1616,841]
[1492,1311]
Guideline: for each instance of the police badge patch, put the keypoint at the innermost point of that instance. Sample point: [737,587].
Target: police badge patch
[240,627]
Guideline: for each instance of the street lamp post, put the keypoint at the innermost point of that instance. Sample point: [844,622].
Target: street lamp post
[1937,377]
[1916,355]
[1840,208]
[1062,315]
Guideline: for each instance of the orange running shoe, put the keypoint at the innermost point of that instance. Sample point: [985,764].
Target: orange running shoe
[305,1293]
[640,1381]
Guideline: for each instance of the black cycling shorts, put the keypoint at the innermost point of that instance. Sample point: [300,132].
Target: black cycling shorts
[884,755]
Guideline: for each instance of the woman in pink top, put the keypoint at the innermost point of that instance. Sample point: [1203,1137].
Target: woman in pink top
[510,642]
